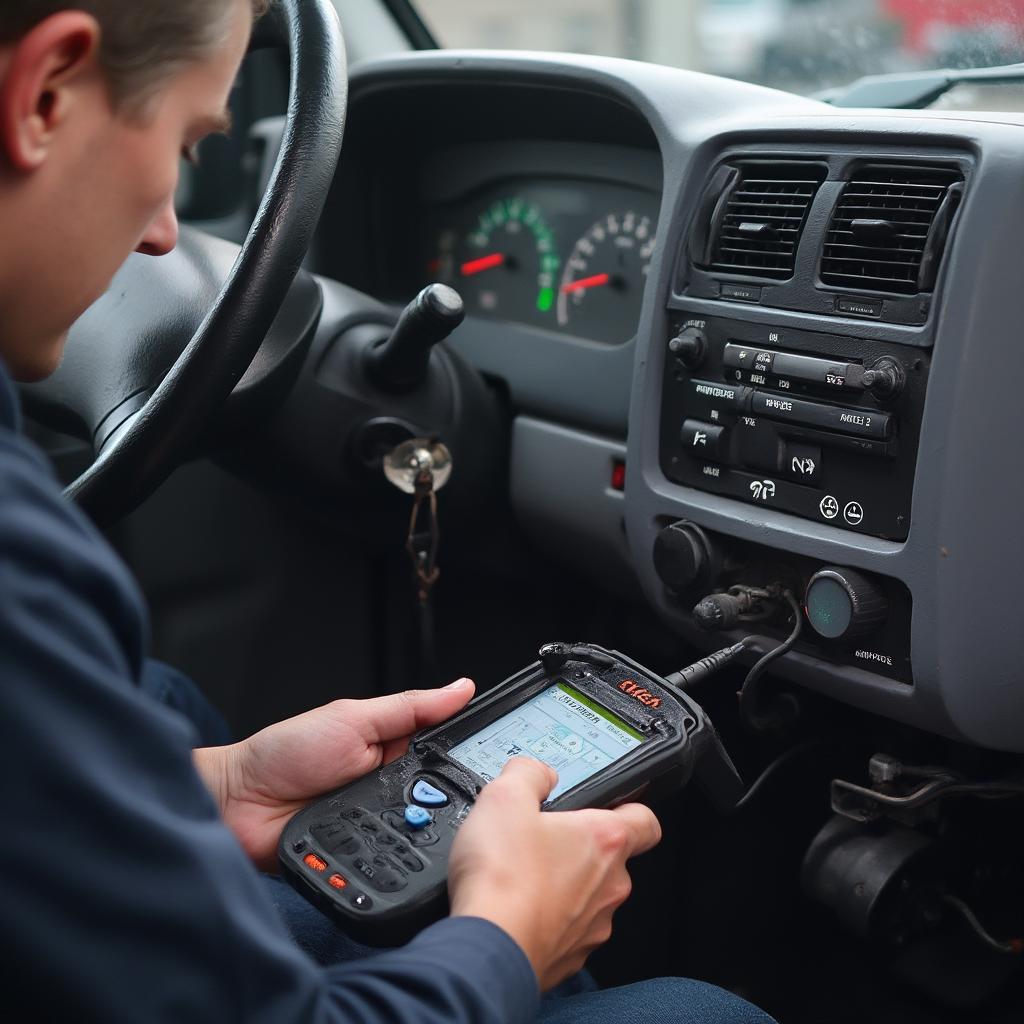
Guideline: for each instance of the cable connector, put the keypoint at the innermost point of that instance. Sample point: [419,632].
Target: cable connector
[699,671]
[718,613]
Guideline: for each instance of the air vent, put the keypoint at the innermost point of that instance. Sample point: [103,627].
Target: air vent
[889,228]
[759,216]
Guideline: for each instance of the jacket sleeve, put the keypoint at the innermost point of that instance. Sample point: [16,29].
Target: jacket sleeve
[123,897]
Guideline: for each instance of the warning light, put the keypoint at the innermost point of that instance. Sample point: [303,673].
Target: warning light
[337,882]
[618,476]
[545,299]
[311,860]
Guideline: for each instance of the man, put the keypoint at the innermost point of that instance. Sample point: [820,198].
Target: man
[129,888]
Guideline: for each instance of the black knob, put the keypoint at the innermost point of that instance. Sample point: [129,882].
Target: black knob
[400,363]
[885,379]
[690,347]
[683,557]
[841,604]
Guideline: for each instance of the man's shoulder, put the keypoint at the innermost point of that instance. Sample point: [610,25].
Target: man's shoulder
[48,546]
[30,496]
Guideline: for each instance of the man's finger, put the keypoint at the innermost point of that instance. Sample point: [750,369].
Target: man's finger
[401,714]
[644,829]
[532,778]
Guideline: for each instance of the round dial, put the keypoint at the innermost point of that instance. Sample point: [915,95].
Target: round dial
[507,263]
[841,604]
[604,278]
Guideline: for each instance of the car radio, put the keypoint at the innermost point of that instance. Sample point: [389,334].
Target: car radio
[819,425]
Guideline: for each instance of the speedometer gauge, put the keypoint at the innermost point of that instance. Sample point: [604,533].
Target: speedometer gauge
[604,278]
[507,264]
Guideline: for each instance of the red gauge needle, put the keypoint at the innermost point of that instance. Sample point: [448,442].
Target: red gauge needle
[496,259]
[587,282]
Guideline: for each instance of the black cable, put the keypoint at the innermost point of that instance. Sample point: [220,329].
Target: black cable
[689,677]
[1010,946]
[773,769]
[784,707]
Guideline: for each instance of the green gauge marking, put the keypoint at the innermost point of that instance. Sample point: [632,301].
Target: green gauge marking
[513,238]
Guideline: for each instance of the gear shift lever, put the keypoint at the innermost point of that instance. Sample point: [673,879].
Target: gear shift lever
[399,363]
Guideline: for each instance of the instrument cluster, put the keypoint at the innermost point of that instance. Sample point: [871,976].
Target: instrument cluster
[571,256]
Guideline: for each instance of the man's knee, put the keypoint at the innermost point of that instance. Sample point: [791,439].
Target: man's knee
[658,1001]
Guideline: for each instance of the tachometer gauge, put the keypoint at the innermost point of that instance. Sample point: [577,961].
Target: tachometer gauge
[603,282]
[508,264]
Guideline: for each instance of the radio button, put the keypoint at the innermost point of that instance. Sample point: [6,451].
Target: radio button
[826,372]
[801,462]
[744,357]
[703,440]
[738,357]
[731,397]
[859,422]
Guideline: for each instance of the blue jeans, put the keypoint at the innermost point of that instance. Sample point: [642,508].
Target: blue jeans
[576,1001]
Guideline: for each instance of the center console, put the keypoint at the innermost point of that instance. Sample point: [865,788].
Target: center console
[808,414]
[820,425]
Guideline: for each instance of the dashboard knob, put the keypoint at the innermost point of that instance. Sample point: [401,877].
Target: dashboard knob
[885,379]
[683,556]
[690,347]
[841,604]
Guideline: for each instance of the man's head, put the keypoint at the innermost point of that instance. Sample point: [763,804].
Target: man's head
[99,99]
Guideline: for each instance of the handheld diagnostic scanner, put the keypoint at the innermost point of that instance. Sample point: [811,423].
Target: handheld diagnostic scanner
[374,854]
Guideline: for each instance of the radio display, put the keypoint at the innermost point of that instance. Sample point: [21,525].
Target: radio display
[559,726]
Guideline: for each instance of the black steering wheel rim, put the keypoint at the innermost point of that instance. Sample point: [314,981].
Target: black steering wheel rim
[154,439]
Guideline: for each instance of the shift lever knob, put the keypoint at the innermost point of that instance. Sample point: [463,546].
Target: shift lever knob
[400,363]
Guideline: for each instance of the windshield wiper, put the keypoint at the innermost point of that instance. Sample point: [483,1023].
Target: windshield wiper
[915,90]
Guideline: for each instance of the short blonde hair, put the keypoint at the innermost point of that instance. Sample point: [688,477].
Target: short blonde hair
[143,42]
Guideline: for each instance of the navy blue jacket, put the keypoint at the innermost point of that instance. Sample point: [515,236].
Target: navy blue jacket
[123,897]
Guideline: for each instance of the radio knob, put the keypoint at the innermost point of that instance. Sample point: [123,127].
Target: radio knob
[689,347]
[885,379]
[683,557]
[841,604]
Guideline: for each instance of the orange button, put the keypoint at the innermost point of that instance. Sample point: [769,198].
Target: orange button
[337,882]
[311,860]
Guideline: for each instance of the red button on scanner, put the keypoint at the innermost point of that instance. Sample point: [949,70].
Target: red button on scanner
[311,860]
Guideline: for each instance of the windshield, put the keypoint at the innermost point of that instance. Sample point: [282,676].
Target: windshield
[803,46]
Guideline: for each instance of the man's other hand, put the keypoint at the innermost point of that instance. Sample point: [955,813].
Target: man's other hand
[552,880]
[262,781]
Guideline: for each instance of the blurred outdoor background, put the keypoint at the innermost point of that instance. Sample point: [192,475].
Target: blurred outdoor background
[801,45]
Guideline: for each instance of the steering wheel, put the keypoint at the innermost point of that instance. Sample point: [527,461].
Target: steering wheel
[157,357]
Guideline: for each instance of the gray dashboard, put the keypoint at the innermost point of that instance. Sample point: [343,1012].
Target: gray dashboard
[582,405]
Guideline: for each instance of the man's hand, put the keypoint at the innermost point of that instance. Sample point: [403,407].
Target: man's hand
[262,781]
[552,880]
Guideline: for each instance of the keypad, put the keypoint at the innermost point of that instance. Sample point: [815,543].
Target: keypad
[376,849]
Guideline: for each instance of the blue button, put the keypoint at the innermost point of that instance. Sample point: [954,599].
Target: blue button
[427,795]
[417,817]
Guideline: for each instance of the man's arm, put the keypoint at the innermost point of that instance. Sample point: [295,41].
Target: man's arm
[123,895]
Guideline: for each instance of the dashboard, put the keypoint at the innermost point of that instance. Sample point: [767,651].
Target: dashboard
[793,327]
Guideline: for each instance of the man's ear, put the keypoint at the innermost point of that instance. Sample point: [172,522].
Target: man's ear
[37,90]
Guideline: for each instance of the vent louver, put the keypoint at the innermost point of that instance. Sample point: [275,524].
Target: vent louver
[760,216]
[889,228]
